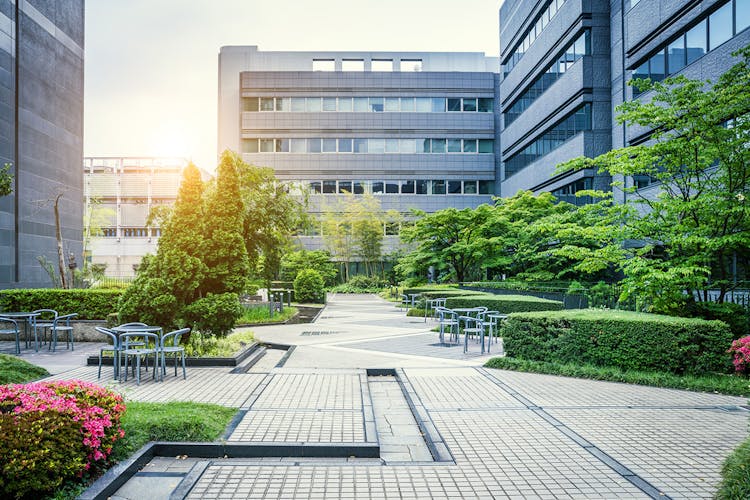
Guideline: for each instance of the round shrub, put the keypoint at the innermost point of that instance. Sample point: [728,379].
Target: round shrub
[215,314]
[309,286]
[54,431]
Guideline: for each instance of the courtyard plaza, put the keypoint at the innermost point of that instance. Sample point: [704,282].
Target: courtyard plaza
[364,373]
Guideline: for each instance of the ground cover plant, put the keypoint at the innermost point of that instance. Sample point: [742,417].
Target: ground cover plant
[209,346]
[15,370]
[736,474]
[261,314]
[623,339]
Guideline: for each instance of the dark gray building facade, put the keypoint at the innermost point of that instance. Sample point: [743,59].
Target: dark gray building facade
[565,65]
[41,134]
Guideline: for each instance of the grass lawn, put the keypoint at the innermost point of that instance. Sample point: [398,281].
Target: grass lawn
[717,383]
[259,315]
[736,474]
[14,370]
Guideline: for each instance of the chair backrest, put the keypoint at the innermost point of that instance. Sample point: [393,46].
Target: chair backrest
[45,314]
[3,319]
[130,325]
[64,318]
[112,335]
[174,336]
[137,338]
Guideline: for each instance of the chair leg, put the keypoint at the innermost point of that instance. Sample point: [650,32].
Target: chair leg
[99,375]
[184,372]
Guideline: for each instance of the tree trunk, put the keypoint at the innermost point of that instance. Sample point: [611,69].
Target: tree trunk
[60,250]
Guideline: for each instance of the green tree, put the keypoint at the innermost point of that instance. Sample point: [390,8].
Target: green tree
[224,252]
[699,221]
[319,260]
[271,219]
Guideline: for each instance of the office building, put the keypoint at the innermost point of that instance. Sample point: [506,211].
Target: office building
[41,135]
[565,65]
[120,194]
[417,130]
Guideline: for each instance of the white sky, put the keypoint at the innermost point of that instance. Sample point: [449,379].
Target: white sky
[151,65]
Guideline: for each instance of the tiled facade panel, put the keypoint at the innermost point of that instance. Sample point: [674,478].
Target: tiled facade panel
[48,133]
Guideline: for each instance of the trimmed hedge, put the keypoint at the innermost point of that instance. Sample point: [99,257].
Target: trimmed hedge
[623,339]
[89,303]
[505,304]
[430,288]
[452,293]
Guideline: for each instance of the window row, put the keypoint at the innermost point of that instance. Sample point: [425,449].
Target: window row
[369,104]
[389,228]
[375,65]
[552,139]
[411,186]
[576,50]
[368,146]
[131,232]
[713,30]
[568,192]
[540,22]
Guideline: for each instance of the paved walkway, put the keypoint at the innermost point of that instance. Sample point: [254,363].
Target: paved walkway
[447,428]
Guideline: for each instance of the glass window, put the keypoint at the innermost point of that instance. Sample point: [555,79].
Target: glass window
[656,67]
[359,187]
[312,104]
[579,48]
[376,146]
[361,104]
[353,65]
[407,104]
[438,187]
[329,104]
[485,105]
[345,187]
[377,187]
[696,42]
[470,104]
[249,145]
[407,187]
[407,146]
[486,187]
[329,145]
[470,146]
[438,145]
[298,104]
[345,104]
[345,145]
[324,65]
[282,145]
[454,104]
[454,145]
[470,187]
[720,26]
[426,148]
[391,145]
[391,187]
[411,65]
[360,145]
[742,15]
[438,105]
[329,187]
[424,104]
[266,104]
[486,146]
[267,146]
[313,145]
[422,186]
[315,187]
[250,104]
[297,145]
[454,187]
[382,65]
[283,103]
[676,55]
[376,104]
[392,104]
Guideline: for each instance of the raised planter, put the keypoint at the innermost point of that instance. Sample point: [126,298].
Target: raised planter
[194,361]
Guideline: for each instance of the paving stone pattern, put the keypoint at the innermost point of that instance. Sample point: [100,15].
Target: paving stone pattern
[424,344]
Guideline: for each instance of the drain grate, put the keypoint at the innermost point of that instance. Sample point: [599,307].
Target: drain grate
[315,333]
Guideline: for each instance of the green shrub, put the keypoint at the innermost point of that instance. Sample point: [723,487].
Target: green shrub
[320,260]
[150,301]
[601,295]
[309,286]
[623,339]
[215,314]
[505,304]
[54,431]
[732,314]
[361,284]
[416,311]
[735,474]
[88,303]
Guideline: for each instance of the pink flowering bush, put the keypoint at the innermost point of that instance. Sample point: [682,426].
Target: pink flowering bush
[741,351]
[53,431]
